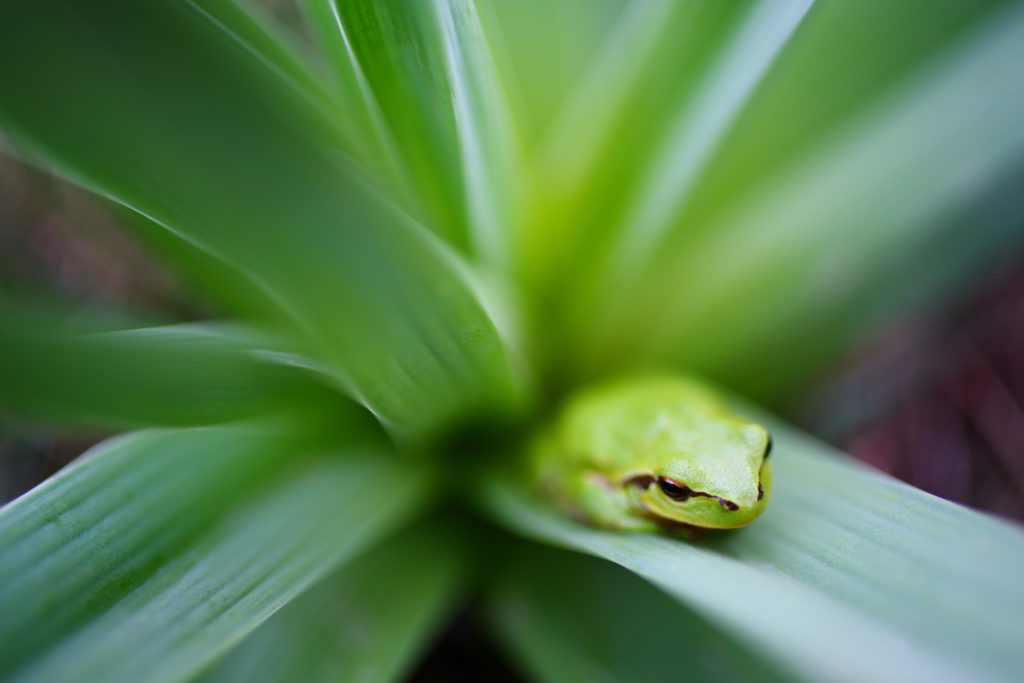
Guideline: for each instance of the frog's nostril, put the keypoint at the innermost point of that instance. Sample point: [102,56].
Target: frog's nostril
[728,504]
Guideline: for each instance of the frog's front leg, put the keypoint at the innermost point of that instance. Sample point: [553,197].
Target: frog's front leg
[607,505]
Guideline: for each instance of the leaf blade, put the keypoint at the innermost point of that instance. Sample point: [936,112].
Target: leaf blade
[427,70]
[572,618]
[162,376]
[367,621]
[161,549]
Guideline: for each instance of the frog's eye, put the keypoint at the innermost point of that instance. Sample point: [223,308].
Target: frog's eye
[674,490]
[768,448]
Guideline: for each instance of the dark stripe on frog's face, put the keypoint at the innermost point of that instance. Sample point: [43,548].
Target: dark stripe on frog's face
[681,492]
[676,491]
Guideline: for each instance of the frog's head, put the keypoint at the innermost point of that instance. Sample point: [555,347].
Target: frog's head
[717,476]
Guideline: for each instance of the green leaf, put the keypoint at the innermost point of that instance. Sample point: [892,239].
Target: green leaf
[266,41]
[169,376]
[572,618]
[211,277]
[295,64]
[213,144]
[366,622]
[376,146]
[542,48]
[492,160]
[735,70]
[801,104]
[155,552]
[427,70]
[849,574]
[657,100]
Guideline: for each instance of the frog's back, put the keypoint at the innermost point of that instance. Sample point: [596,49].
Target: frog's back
[611,425]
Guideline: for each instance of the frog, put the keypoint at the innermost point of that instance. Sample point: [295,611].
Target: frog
[654,452]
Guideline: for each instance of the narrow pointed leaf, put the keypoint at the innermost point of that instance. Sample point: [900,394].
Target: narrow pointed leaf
[800,103]
[611,122]
[697,129]
[429,73]
[155,552]
[367,621]
[573,618]
[493,167]
[376,146]
[265,41]
[171,376]
[538,80]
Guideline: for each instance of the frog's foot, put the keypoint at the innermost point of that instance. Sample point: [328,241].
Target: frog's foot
[606,505]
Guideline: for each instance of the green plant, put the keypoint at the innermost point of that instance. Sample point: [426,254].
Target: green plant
[436,222]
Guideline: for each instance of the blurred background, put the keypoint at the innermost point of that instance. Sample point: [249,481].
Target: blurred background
[934,398]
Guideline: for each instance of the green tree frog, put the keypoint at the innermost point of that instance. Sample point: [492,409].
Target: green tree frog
[648,452]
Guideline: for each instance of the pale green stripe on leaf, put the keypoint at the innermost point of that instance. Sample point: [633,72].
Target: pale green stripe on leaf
[493,167]
[700,125]
[592,105]
[395,49]
[542,49]
[266,41]
[426,71]
[826,78]
[361,115]
[648,96]
[604,120]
